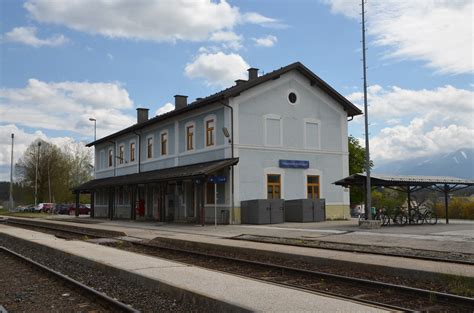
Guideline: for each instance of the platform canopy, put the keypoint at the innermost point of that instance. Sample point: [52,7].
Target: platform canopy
[167,174]
[403,181]
[410,183]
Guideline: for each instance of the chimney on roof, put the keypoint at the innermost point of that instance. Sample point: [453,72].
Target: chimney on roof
[180,102]
[253,73]
[142,115]
[240,81]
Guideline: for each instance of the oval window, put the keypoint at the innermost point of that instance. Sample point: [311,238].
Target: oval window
[292,97]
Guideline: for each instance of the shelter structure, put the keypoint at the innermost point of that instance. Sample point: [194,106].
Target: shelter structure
[410,184]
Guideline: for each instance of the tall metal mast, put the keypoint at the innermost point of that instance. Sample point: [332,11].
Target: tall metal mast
[368,196]
[11,176]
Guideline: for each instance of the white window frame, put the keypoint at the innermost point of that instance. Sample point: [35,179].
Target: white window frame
[311,121]
[123,160]
[206,119]
[113,155]
[152,147]
[186,136]
[130,151]
[167,143]
[265,137]
[102,160]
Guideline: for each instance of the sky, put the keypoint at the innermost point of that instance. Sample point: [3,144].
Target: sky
[65,61]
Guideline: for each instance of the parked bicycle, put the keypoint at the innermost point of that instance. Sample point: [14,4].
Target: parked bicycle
[416,216]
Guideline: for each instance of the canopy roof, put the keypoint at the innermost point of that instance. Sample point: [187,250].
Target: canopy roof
[167,174]
[411,180]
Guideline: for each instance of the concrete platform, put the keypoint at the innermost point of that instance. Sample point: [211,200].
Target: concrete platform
[225,290]
[453,238]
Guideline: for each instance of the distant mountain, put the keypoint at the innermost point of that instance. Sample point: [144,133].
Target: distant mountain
[457,164]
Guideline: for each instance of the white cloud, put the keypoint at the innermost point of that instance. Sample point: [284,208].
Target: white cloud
[257,18]
[230,39]
[218,69]
[67,106]
[437,32]
[159,20]
[268,41]
[168,107]
[27,36]
[110,56]
[419,122]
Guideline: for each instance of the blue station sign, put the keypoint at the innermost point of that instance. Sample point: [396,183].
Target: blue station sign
[293,164]
[217,179]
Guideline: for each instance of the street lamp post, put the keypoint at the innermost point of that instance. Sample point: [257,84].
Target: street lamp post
[11,176]
[36,176]
[95,127]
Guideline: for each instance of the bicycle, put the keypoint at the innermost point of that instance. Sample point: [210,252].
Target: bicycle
[415,216]
[430,217]
[400,217]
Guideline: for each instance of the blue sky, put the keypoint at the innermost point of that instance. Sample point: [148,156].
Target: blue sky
[62,62]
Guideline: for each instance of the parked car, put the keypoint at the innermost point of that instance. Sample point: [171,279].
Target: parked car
[83,209]
[44,207]
[61,208]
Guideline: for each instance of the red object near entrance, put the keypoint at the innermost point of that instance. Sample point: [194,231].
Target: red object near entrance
[140,207]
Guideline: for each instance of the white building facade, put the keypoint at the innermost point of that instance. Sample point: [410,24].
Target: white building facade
[280,135]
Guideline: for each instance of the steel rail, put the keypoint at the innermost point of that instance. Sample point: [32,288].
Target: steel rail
[105,300]
[388,253]
[407,290]
[88,232]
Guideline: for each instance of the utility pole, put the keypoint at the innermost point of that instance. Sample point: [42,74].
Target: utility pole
[36,176]
[11,176]
[368,196]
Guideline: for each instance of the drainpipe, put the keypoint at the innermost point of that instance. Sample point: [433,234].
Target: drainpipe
[139,150]
[232,153]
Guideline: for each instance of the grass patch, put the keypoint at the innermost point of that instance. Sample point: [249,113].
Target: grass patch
[5,212]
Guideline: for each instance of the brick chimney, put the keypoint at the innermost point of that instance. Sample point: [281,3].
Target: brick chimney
[253,73]
[142,115]
[180,102]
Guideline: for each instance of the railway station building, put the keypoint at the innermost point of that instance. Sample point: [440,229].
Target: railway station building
[279,135]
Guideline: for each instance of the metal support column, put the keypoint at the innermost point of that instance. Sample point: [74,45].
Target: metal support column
[446,195]
[78,193]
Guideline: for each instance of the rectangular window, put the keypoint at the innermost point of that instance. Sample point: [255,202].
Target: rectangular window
[209,133]
[132,152]
[190,137]
[149,148]
[273,131]
[273,186]
[210,199]
[121,154]
[111,158]
[164,143]
[312,185]
[312,135]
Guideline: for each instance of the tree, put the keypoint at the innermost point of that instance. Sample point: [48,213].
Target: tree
[356,165]
[59,170]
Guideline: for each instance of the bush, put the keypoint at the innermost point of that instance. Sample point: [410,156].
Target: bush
[460,208]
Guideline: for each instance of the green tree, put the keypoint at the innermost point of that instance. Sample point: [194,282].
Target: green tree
[356,165]
[59,170]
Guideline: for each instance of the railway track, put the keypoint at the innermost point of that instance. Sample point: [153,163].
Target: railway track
[436,256]
[388,295]
[106,303]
